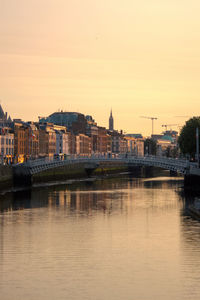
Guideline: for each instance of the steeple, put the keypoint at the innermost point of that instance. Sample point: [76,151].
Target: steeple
[9,119]
[111,121]
[2,115]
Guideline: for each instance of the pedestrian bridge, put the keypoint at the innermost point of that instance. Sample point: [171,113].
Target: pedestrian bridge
[181,166]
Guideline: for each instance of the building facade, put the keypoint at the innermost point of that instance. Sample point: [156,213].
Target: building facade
[103,141]
[62,142]
[6,146]
[83,145]
[118,142]
[135,146]
[26,145]
[47,140]
[73,121]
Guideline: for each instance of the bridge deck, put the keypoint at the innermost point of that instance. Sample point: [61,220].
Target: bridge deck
[177,165]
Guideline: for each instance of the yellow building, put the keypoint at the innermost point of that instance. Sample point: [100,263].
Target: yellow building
[135,146]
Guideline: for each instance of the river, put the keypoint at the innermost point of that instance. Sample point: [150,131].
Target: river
[118,238]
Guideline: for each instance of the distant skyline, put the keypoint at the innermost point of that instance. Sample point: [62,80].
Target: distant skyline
[139,57]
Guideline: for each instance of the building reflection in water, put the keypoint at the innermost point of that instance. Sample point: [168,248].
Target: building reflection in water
[99,195]
[137,226]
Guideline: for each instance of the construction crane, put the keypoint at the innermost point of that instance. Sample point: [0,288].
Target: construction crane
[182,116]
[169,125]
[150,118]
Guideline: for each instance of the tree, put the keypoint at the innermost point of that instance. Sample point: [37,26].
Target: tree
[187,138]
[171,152]
[150,146]
[168,152]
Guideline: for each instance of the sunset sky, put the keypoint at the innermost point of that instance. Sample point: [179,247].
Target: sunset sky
[142,58]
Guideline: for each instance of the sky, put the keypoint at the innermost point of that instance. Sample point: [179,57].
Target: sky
[140,58]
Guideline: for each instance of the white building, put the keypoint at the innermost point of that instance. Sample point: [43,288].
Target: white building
[6,146]
[62,142]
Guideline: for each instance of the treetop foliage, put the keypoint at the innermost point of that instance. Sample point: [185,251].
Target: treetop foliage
[187,138]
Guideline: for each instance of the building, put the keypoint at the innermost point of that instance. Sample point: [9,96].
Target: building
[26,144]
[20,141]
[165,146]
[5,120]
[92,132]
[72,143]
[103,141]
[173,134]
[118,142]
[33,141]
[135,144]
[100,139]
[47,140]
[6,145]
[62,140]
[135,135]
[83,145]
[167,143]
[75,122]
[122,145]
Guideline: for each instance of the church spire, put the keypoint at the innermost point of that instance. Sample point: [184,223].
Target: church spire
[2,115]
[111,121]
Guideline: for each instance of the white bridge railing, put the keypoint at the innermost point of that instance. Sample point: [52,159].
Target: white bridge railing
[178,165]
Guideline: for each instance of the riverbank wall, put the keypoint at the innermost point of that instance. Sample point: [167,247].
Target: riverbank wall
[6,176]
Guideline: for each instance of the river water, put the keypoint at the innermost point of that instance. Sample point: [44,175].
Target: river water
[108,239]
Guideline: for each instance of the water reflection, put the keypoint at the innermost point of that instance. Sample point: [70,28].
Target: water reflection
[119,238]
[190,250]
[85,195]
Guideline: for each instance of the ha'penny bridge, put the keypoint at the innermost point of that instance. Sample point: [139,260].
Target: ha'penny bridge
[54,169]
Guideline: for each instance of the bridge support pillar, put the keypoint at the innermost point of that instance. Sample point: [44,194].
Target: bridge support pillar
[89,168]
[137,171]
[173,173]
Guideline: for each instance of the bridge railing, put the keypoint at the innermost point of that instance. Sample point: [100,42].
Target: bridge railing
[123,158]
[180,165]
[72,159]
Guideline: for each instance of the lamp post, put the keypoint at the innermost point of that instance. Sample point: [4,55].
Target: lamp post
[197,145]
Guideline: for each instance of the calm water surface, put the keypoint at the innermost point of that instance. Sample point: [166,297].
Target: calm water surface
[121,238]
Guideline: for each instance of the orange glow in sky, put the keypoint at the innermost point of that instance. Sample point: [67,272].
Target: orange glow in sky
[139,57]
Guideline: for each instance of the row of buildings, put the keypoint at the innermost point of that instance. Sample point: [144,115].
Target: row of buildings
[60,134]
